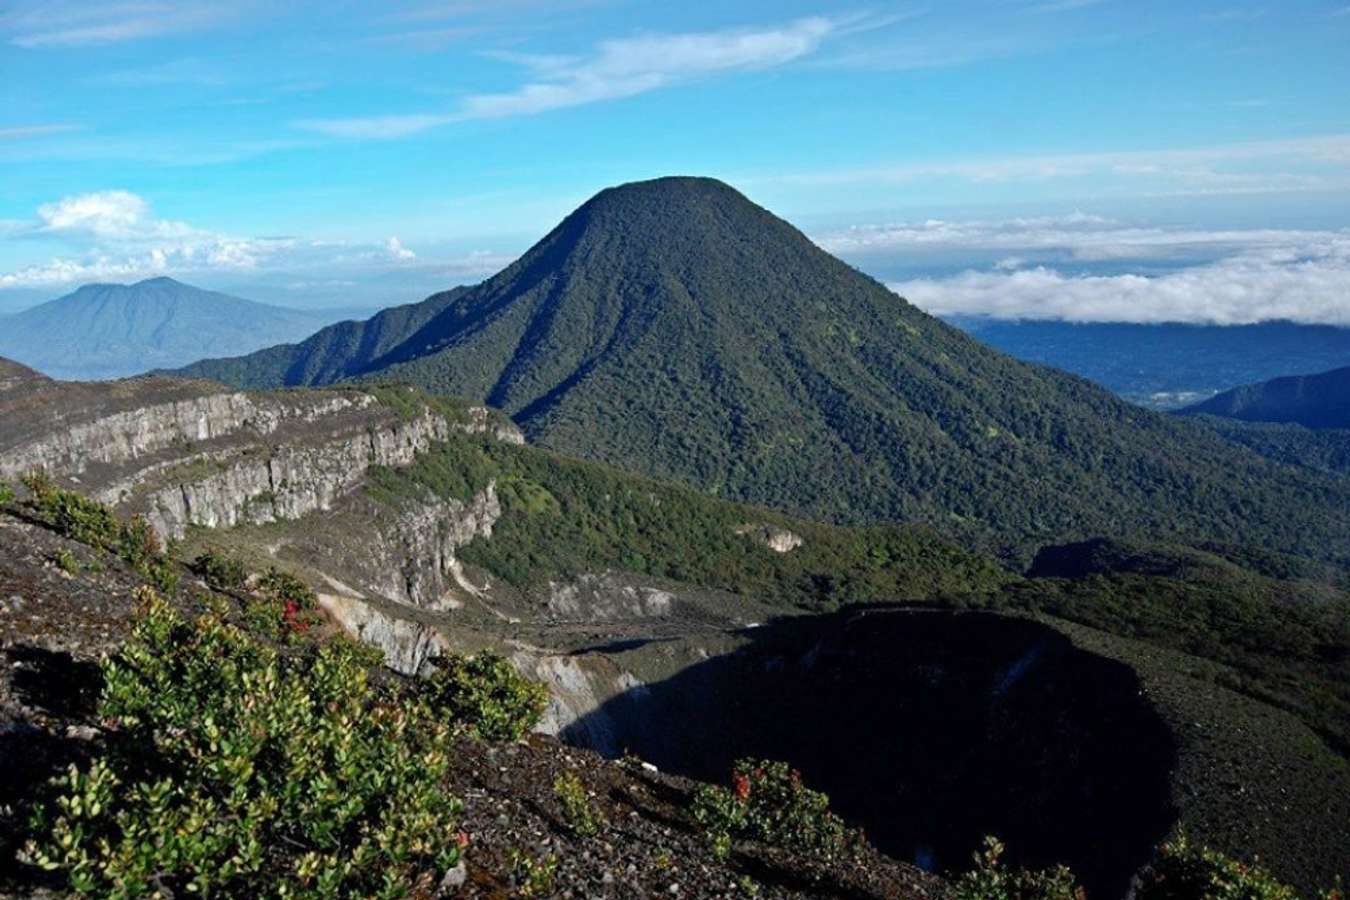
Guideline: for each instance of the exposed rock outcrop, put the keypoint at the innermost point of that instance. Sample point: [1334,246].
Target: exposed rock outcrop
[194,454]
[412,558]
[408,646]
[608,597]
[129,434]
[779,540]
[288,482]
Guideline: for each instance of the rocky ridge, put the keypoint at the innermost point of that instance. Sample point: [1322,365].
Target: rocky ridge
[196,454]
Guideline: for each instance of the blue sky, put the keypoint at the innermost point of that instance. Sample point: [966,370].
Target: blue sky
[1068,158]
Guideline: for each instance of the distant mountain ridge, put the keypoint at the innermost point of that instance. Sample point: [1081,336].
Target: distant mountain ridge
[1170,364]
[1314,401]
[672,327]
[114,330]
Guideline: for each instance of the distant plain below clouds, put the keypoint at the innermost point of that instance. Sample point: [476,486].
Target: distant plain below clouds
[1051,268]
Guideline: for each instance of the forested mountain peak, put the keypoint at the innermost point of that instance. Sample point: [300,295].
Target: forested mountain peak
[673,327]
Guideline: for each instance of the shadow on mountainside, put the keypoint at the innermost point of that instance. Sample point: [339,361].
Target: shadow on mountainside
[930,729]
[53,694]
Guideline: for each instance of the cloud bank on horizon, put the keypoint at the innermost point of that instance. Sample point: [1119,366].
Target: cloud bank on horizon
[1042,268]
[120,239]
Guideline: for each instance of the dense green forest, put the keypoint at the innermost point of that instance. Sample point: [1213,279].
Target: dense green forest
[564,517]
[1280,623]
[1320,449]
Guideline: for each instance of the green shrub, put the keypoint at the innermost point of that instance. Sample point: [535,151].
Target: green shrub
[768,802]
[66,561]
[1184,871]
[6,494]
[991,879]
[485,693]
[38,482]
[224,573]
[283,606]
[90,522]
[580,812]
[287,588]
[532,877]
[233,770]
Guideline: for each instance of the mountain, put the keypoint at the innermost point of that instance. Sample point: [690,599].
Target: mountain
[1313,401]
[331,354]
[1165,365]
[672,327]
[114,330]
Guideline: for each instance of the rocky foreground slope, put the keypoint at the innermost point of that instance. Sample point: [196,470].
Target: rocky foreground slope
[1086,709]
[65,606]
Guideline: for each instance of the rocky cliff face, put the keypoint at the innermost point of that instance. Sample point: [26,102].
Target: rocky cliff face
[278,476]
[127,435]
[287,483]
[192,454]
[408,555]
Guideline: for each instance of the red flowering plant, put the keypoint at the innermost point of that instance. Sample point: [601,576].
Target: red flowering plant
[282,606]
[768,802]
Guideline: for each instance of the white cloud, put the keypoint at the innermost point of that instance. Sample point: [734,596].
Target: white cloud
[115,235]
[618,68]
[622,68]
[105,213]
[1305,279]
[83,24]
[1050,268]
[396,249]
[1297,164]
[1077,237]
[21,132]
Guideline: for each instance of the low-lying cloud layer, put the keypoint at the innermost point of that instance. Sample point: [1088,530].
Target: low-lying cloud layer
[114,235]
[1234,291]
[1041,268]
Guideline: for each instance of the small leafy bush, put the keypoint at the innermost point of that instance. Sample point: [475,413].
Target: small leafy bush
[485,693]
[1184,871]
[90,522]
[287,588]
[768,802]
[283,606]
[224,573]
[235,771]
[533,877]
[6,494]
[581,813]
[66,561]
[992,879]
